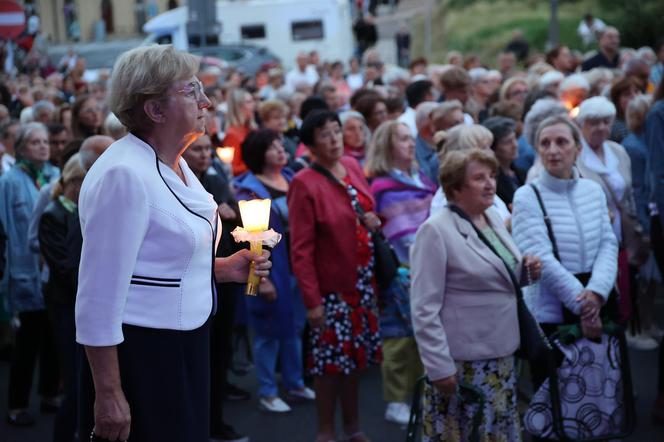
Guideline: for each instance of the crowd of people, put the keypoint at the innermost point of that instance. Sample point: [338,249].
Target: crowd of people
[546,173]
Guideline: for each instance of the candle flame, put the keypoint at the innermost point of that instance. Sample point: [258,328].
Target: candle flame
[255,214]
[574,112]
[226,154]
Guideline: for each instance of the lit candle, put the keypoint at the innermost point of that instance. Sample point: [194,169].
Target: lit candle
[255,216]
[574,112]
[226,154]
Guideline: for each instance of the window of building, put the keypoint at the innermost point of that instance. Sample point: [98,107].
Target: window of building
[307,30]
[249,32]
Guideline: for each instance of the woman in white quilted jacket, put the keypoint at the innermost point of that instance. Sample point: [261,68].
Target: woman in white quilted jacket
[579,256]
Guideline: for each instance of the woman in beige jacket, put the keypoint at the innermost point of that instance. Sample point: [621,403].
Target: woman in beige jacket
[463,304]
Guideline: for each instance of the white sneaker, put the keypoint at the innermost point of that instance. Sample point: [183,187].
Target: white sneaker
[641,342]
[274,405]
[305,393]
[397,412]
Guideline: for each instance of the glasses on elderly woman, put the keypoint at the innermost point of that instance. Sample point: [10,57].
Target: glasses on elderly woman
[193,89]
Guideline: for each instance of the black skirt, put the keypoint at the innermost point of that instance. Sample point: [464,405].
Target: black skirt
[165,377]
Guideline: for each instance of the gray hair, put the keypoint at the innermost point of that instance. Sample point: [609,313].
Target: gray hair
[24,133]
[146,72]
[596,107]
[500,127]
[636,113]
[113,127]
[541,110]
[477,75]
[345,116]
[42,106]
[423,112]
[574,81]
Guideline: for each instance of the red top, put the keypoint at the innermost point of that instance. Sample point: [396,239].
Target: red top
[323,236]
[234,137]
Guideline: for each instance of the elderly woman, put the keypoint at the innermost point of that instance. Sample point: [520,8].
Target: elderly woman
[466,327]
[399,189]
[355,135]
[147,274]
[505,148]
[86,117]
[577,280]
[277,315]
[604,161]
[19,190]
[239,121]
[60,244]
[622,92]
[332,258]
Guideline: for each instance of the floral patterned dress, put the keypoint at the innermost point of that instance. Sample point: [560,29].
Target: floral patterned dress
[449,418]
[350,340]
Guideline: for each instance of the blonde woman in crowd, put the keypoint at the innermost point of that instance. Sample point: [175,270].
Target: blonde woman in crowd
[239,122]
[399,188]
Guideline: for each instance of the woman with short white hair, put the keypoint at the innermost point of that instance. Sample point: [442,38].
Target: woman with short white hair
[607,163]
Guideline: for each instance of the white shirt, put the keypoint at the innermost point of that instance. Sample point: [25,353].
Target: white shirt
[147,258]
[408,118]
[609,172]
[295,77]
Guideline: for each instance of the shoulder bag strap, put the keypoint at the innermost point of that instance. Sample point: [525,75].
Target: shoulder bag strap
[547,221]
[350,190]
[515,280]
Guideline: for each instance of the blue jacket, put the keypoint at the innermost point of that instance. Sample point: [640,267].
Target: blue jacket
[21,286]
[285,316]
[427,159]
[526,156]
[654,138]
[637,150]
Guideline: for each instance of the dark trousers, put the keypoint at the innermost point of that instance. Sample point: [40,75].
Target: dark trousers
[657,241]
[33,338]
[165,377]
[221,350]
[64,328]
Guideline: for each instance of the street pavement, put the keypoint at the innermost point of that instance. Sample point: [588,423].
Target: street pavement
[300,424]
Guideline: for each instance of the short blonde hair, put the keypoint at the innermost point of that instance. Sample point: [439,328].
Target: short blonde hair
[445,108]
[143,73]
[463,137]
[270,107]
[73,170]
[505,88]
[379,159]
[453,168]
[636,113]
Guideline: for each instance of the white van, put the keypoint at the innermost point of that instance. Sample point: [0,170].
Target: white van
[284,27]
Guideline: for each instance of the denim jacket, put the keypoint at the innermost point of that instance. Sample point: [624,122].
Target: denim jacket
[20,289]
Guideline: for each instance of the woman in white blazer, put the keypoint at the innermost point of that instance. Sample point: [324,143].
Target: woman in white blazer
[147,274]
[463,303]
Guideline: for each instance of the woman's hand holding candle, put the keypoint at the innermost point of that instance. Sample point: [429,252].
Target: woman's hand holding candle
[235,268]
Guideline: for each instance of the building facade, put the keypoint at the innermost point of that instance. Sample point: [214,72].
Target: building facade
[81,20]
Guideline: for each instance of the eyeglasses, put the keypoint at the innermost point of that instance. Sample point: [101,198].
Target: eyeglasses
[193,89]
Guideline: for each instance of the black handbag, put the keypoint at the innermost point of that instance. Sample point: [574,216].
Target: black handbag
[386,263]
[534,343]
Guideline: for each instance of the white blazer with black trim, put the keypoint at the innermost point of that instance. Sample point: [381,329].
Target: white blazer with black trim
[148,246]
